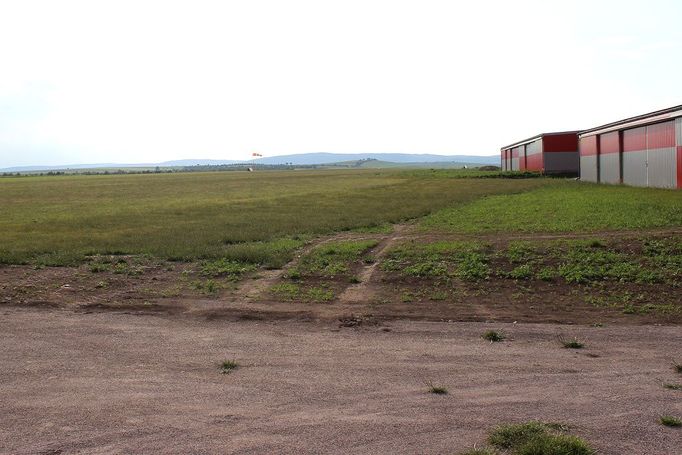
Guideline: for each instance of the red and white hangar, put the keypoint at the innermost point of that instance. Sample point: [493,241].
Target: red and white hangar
[645,150]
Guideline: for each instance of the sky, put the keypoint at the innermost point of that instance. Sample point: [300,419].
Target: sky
[150,81]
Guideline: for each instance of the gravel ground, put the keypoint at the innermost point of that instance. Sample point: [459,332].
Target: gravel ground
[120,383]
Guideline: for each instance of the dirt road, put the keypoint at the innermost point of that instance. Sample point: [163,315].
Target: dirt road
[121,383]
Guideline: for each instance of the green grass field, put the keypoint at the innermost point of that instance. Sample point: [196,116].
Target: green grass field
[262,217]
[564,206]
[244,216]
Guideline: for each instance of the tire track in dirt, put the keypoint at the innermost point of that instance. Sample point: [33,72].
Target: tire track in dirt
[365,290]
[253,291]
[255,288]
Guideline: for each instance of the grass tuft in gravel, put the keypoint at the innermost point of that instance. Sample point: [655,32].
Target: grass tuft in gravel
[670,421]
[537,438]
[228,366]
[437,390]
[572,343]
[493,336]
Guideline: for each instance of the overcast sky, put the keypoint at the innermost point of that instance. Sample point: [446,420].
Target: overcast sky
[144,81]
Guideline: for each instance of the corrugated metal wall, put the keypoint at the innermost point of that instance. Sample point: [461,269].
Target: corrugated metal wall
[609,157]
[634,156]
[534,156]
[588,158]
[515,159]
[661,155]
[678,129]
[562,162]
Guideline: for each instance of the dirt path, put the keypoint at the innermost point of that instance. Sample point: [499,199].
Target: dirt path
[106,383]
[365,290]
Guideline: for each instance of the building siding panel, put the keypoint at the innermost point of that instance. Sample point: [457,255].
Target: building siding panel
[588,168]
[534,160]
[609,168]
[588,158]
[662,167]
[634,140]
[562,162]
[660,135]
[609,158]
[634,168]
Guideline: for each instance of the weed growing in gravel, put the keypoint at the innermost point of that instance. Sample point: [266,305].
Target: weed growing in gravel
[572,343]
[510,436]
[228,366]
[670,421]
[493,336]
[437,390]
[677,367]
[673,386]
[537,438]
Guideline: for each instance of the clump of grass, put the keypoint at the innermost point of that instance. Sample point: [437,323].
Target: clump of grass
[493,336]
[333,259]
[673,386]
[293,292]
[670,421]
[677,367]
[519,252]
[473,267]
[510,436]
[228,366]
[208,287]
[438,295]
[537,438]
[226,267]
[546,274]
[437,390]
[522,272]
[571,343]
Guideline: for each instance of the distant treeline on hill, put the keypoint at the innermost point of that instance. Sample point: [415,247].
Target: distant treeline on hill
[243,167]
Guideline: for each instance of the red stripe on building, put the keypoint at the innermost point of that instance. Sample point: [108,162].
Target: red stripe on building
[660,135]
[560,143]
[534,162]
[634,140]
[588,146]
[609,143]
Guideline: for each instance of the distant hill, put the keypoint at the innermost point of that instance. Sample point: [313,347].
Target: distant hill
[298,159]
[328,158]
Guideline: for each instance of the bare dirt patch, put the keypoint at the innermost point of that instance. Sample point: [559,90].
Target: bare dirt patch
[116,383]
[143,285]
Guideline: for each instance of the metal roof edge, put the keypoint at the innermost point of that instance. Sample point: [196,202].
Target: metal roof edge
[655,116]
[538,136]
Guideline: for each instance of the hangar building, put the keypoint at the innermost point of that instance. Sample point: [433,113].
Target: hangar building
[549,153]
[641,151]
